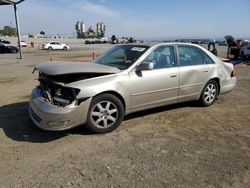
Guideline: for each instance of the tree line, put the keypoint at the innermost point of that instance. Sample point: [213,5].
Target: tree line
[8,31]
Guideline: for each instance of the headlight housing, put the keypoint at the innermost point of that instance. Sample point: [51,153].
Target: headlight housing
[65,96]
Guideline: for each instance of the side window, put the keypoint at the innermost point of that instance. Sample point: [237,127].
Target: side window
[162,57]
[207,59]
[189,56]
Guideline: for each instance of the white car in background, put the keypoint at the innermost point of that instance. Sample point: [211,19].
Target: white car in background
[23,44]
[55,46]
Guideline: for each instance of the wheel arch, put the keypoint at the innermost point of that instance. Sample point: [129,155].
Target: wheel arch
[217,80]
[218,83]
[202,99]
[116,94]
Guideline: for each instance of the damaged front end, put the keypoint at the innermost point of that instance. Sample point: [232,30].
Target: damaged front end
[56,93]
[54,106]
[54,77]
[57,103]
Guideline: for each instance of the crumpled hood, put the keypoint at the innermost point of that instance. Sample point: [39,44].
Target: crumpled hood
[59,68]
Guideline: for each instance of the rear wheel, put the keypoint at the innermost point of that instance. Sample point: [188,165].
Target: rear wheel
[209,93]
[105,114]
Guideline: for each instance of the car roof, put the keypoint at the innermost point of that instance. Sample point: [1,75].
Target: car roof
[151,44]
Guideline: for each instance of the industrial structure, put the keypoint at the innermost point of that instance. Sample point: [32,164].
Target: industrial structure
[82,32]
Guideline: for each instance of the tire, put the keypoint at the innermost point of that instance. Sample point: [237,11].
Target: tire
[65,48]
[209,93]
[49,48]
[105,114]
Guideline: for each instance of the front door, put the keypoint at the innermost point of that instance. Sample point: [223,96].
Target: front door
[150,88]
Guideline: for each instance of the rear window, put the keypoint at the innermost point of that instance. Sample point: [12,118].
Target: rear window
[207,59]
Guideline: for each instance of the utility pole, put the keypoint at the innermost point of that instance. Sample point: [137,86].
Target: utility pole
[14,3]
[18,31]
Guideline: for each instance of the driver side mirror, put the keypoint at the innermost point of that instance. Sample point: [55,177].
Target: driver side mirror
[145,66]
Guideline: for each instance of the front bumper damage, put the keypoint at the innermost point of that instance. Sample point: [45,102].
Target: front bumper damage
[48,116]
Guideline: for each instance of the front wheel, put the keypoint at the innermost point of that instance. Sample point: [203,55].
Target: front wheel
[209,93]
[105,114]
[65,48]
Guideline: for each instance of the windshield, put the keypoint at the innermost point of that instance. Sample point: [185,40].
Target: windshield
[122,56]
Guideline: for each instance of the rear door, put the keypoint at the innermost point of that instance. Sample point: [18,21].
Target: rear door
[194,73]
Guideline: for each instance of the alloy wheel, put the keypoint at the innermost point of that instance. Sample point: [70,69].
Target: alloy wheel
[210,93]
[104,114]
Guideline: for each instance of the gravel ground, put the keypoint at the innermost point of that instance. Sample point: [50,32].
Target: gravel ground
[180,145]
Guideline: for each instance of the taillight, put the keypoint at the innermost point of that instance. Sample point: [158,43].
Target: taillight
[233,73]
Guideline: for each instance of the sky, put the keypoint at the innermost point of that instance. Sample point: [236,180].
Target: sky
[141,19]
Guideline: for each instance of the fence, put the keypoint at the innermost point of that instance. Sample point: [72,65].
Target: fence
[87,58]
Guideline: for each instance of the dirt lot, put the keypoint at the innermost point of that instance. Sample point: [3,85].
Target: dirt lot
[181,145]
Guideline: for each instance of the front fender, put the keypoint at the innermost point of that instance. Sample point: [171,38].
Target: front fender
[118,83]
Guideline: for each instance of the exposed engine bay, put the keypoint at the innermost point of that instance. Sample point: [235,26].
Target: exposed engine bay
[53,90]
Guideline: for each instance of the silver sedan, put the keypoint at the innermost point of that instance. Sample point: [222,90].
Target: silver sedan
[126,79]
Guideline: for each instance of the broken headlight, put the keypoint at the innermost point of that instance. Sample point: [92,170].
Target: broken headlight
[64,96]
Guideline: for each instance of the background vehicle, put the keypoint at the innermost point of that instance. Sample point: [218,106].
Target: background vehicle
[237,49]
[114,40]
[4,48]
[222,43]
[232,49]
[55,46]
[126,79]
[245,51]
[97,41]
[4,41]
[23,44]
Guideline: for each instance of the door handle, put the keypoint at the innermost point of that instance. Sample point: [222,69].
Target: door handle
[205,71]
[173,76]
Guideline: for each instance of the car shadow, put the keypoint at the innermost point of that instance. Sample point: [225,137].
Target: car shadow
[160,109]
[16,124]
